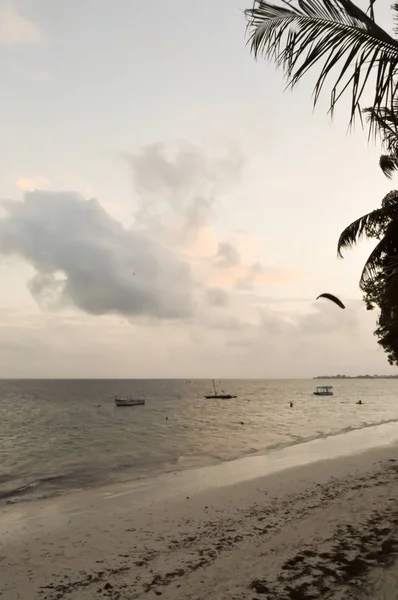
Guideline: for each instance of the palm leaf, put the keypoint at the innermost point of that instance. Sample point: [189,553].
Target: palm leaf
[373,225]
[373,263]
[384,123]
[388,164]
[392,262]
[371,10]
[394,8]
[390,204]
[297,36]
[364,226]
[390,269]
[384,260]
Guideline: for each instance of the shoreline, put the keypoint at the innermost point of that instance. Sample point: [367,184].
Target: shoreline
[273,458]
[325,526]
[316,531]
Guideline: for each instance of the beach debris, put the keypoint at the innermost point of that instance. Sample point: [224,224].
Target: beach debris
[332,298]
[259,587]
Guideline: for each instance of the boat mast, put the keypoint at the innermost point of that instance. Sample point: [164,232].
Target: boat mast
[214,387]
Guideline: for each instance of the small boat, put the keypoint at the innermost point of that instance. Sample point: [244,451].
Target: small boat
[222,396]
[120,401]
[324,390]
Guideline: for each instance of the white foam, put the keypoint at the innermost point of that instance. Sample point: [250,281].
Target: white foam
[253,467]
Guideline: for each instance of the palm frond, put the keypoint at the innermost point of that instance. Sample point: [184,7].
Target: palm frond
[392,262]
[364,226]
[394,8]
[371,9]
[384,123]
[388,164]
[390,204]
[383,261]
[373,225]
[373,263]
[390,267]
[298,34]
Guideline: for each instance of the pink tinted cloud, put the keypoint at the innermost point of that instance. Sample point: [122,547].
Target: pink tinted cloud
[17,29]
[202,246]
[29,184]
[245,275]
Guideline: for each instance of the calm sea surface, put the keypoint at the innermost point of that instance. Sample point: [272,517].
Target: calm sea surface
[58,435]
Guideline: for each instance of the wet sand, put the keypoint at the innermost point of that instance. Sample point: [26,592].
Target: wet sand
[325,529]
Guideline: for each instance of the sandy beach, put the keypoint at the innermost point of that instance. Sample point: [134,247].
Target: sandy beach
[309,527]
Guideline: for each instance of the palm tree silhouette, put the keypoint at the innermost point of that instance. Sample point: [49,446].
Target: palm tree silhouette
[345,43]
[379,278]
[384,123]
[301,34]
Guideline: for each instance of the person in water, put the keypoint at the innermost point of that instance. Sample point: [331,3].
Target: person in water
[291,404]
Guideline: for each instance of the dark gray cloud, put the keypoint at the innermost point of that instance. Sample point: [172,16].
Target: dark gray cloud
[85,258]
[82,256]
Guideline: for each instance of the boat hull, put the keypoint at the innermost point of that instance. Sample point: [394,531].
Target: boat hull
[323,393]
[220,396]
[129,402]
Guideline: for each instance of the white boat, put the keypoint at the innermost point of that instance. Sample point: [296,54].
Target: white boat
[130,401]
[324,390]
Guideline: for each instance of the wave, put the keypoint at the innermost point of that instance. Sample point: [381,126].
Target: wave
[47,486]
[20,492]
[23,489]
[322,435]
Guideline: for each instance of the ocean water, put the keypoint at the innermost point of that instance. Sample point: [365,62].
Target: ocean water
[63,435]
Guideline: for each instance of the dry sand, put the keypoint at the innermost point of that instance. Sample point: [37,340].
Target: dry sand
[327,529]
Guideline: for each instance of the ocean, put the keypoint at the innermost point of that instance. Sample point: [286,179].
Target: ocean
[62,435]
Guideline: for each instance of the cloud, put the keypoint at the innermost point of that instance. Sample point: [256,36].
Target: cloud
[169,265]
[217,297]
[16,29]
[239,264]
[329,319]
[227,256]
[176,193]
[83,257]
[245,277]
[177,196]
[239,343]
[29,184]
[300,344]
[248,276]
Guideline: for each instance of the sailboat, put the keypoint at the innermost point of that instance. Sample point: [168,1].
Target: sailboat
[221,396]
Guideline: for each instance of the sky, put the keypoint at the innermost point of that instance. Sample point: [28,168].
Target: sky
[167,208]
